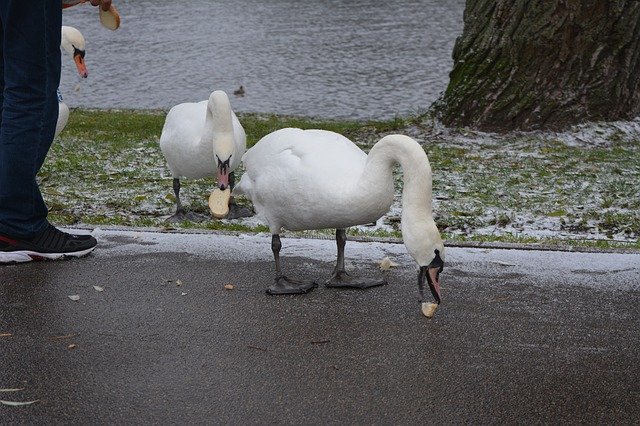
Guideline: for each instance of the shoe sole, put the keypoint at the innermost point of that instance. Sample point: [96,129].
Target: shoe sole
[22,256]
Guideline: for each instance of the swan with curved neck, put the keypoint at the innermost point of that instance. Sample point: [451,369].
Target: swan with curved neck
[72,42]
[316,179]
[200,140]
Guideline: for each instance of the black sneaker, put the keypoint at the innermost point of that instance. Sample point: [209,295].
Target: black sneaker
[49,244]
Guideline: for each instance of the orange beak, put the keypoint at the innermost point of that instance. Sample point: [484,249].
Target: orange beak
[431,276]
[82,68]
[434,281]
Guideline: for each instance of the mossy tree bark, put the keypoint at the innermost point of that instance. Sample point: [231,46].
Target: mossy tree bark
[534,64]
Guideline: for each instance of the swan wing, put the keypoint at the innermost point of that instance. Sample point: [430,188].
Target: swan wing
[180,141]
[304,179]
[305,160]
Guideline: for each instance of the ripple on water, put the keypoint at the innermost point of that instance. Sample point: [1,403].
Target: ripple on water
[329,58]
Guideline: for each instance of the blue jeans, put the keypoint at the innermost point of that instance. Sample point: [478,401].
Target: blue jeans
[29,76]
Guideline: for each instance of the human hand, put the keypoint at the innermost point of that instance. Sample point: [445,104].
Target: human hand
[104,4]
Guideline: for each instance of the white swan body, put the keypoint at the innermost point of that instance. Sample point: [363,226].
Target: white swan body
[203,139]
[313,179]
[318,172]
[72,42]
[197,136]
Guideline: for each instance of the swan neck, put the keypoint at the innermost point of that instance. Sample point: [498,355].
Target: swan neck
[219,115]
[219,129]
[419,230]
[416,171]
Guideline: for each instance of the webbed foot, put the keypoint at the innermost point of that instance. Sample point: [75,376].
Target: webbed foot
[343,280]
[238,212]
[284,285]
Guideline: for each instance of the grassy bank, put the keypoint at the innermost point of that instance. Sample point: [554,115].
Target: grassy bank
[106,169]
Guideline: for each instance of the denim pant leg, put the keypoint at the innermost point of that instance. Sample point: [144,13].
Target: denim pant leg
[30,72]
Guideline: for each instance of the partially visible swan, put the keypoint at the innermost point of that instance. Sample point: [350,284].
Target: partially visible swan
[200,140]
[315,179]
[63,115]
[73,43]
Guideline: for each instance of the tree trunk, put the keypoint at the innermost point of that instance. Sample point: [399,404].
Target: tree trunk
[534,64]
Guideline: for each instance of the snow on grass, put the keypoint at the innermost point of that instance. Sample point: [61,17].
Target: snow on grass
[526,187]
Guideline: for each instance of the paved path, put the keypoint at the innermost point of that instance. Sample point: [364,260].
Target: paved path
[522,336]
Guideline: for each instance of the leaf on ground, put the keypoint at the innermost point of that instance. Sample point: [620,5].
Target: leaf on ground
[74,297]
[386,264]
[229,287]
[257,347]
[6,334]
[17,404]
[98,288]
[12,390]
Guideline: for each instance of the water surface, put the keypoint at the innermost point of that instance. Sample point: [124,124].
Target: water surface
[327,58]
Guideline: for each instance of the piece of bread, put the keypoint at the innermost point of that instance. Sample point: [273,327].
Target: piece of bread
[429,309]
[110,18]
[219,202]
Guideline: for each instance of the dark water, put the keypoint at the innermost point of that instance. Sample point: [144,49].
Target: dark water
[323,58]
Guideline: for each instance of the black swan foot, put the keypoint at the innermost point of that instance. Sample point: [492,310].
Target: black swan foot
[344,280]
[284,285]
[238,212]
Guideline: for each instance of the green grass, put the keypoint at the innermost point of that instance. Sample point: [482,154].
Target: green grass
[106,168]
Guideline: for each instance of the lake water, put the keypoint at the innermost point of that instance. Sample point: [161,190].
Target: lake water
[326,58]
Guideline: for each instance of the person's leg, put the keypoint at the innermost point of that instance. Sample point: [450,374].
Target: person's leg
[30,77]
[31,73]
[1,67]
[53,40]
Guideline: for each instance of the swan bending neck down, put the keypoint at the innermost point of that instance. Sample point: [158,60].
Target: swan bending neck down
[333,184]
[72,41]
[200,140]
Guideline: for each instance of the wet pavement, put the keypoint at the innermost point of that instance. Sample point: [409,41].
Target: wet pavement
[521,337]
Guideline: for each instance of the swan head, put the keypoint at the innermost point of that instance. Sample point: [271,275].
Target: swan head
[431,274]
[223,139]
[222,171]
[74,44]
[425,245]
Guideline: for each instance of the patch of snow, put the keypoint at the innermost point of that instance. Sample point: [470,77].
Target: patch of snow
[601,271]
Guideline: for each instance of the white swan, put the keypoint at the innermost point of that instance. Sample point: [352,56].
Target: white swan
[200,140]
[73,43]
[63,115]
[315,179]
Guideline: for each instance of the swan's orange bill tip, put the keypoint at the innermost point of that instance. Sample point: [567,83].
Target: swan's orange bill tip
[81,66]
